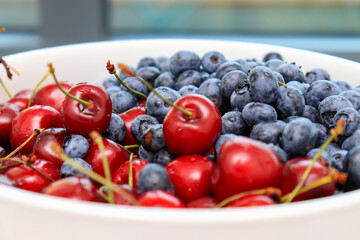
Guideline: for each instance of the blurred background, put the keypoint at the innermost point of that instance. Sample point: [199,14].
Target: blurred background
[328,26]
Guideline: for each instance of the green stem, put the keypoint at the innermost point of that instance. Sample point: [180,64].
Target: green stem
[37,86]
[132,146]
[102,194]
[6,89]
[131,181]
[129,88]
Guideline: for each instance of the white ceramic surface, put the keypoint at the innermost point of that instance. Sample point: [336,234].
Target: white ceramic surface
[29,216]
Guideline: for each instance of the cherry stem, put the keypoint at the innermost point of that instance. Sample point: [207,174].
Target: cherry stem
[129,88]
[270,191]
[2,30]
[85,103]
[132,146]
[37,86]
[131,180]
[7,68]
[10,166]
[337,130]
[58,150]
[6,89]
[98,140]
[283,84]
[102,194]
[127,70]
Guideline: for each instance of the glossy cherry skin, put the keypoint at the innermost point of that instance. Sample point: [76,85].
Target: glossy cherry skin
[82,120]
[204,202]
[191,176]
[35,117]
[8,112]
[118,198]
[252,200]
[78,188]
[121,175]
[116,155]
[128,117]
[25,93]
[28,179]
[21,102]
[10,163]
[245,164]
[51,95]
[159,198]
[43,145]
[186,135]
[293,171]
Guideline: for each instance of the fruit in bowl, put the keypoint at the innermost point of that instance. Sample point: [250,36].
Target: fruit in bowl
[203,161]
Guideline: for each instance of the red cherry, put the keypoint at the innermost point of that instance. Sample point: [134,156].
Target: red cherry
[78,188]
[26,93]
[8,112]
[115,154]
[294,169]
[28,120]
[121,175]
[252,200]
[204,202]
[21,102]
[128,117]
[42,147]
[29,179]
[196,134]
[159,198]
[9,163]
[245,164]
[51,95]
[118,198]
[79,119]
[191,176]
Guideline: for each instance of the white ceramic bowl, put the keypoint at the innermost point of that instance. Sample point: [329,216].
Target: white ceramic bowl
[27,216]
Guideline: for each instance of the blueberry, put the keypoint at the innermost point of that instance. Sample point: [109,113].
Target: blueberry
[188,77]
[249,65]
[337,160]
[145,154]
[291,72]
[298,85]
[279,77]
[188,89]
[351,118]
[299,136]
[163,63]
[166,79]
[116,131]
[76,146]
[154,176]
[317,74]
[263,85]
[290,102]
[343,85]
[353,97]
[227,67]
[290,118]
[148,73]
[211,89]
[182,61]
[147,62]
[153,139]
[136,85]
[111,81]
[352,168]
[140,124]
[319,90]
[255,112]
[240,97]
[324,155]
[311,113]
[212,60]
[329,107]
[272,55]
[268,132]
[273,63]
[351,141]
[332,148]
[156,107]
[113,89]
[68,171]
[232,122]
[323,134]
[282,155]
[231,81]
[123,101]
[123,75]
[2,151]
[204,75]
[163,156]
[220,141]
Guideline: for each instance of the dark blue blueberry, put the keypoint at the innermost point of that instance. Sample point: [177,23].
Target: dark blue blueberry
[123,75]
[232,122]
[351,141]
[113,89]
[213,75]
[268,132]
[317,74]
[204,75]
[323,134]
[110,81]
[290,118]
[123,101]
[184,60]
[337,160]
[212,60]
[147,62]
[188,77]
[263,85]
[145,154]
[227,67]
[299,137]
[352,168]
[311,113]
[282,155]
[306,87]
[154,176]
[255,112]
[148,73]
[249,65]
[153,139]
[166,79]
[163,63]
[343,85]
[140,124]
[324,155]
[272,55]
[290,102]
[156,107]
[116,131]
[188,89]
[68,171]
[211,89]
[232,80]
[279,77]
[273,63]
[163,156]
[76,146]
[329,107]
[332,148]
[298,85]
[136,85]
[351,118]
[220,141]
[320,90]
[353,97]
[291,72]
